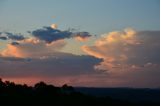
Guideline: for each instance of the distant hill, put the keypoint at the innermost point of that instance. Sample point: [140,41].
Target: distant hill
[130,94]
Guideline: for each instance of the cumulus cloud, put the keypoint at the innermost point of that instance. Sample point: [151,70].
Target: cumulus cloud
[50,34]
[127,50]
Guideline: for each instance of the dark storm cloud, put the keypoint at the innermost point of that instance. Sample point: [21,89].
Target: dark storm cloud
[14,36]
[11,36]
[49,34]
[61,65]
[3,38]
[149,33]
[82,34]
[14,43]
[13,59]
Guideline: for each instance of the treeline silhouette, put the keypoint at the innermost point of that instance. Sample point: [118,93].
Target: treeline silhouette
[42,94]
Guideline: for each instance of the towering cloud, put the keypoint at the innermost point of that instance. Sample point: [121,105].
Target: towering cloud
[127,50]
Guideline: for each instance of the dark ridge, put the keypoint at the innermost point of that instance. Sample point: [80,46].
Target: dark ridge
[42,94]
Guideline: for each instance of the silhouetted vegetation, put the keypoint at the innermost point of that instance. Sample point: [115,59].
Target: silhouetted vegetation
[43,94]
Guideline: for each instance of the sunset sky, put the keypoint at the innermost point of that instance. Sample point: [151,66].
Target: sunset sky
[91,43]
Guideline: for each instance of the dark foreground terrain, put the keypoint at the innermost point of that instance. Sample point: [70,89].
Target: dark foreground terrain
[129,94]
[41,94]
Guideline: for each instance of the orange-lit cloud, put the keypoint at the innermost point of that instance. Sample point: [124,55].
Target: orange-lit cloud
[12,51]
[32,47]
[81,39]
[126,50]
[54,26]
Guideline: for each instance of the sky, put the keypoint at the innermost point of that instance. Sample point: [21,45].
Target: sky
[100,43]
